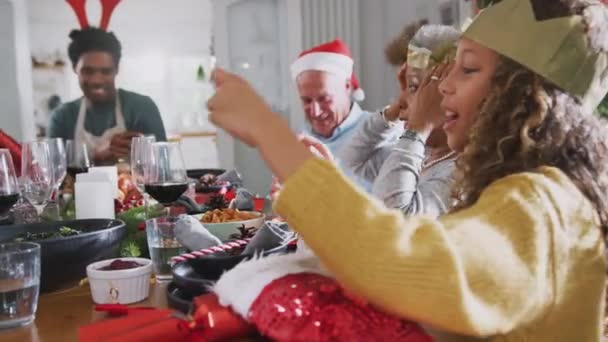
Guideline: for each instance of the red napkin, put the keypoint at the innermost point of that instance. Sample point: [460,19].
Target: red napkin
[212,322]
[218,323]
[142,326]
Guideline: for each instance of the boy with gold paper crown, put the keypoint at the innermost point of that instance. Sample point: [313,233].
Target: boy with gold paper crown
[521,258]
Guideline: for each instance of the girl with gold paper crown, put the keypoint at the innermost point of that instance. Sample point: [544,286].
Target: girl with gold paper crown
[520,258]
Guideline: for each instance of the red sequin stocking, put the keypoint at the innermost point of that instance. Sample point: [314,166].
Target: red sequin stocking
[311,307]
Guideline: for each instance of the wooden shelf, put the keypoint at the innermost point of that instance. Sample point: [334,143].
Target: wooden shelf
[182,135]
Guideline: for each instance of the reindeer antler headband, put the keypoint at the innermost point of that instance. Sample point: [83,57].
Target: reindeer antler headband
[107,7]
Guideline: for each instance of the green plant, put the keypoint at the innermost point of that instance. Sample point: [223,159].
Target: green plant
[135,243]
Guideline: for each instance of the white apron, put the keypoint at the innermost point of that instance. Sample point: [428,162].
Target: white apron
[97,143]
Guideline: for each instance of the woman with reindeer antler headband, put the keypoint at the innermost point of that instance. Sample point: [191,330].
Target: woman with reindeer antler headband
[105,118]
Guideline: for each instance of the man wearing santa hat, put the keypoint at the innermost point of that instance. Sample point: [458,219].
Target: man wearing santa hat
[329,92]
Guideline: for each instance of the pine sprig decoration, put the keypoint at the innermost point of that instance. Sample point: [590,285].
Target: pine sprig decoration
[131,249]
[217,201]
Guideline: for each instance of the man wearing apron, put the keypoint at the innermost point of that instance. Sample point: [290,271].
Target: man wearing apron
[105,118]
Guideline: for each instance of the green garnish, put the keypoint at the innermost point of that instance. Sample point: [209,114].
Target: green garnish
[62,232]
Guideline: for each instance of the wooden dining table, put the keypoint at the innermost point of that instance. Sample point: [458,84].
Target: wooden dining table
[60,314]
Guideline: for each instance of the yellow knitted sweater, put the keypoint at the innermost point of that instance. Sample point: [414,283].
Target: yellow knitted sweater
[525,263]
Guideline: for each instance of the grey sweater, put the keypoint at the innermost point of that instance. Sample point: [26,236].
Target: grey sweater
[394,166]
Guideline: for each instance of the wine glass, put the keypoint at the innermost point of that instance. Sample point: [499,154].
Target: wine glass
[141,149]
[165,179]
[59,161]
[9,186]
[78,160]
[37,171]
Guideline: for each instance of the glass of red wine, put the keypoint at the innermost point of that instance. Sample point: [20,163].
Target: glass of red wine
[37,173]
[165,179]
[77,155]
[9,185]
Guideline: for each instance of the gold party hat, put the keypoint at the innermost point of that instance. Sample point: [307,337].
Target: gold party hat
[423,58]
[556,49]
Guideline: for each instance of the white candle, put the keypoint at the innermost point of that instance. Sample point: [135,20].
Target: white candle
[94,194]
[111,172]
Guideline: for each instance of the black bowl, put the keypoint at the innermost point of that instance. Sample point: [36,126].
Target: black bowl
[178,300]
[64,260]
[193,277]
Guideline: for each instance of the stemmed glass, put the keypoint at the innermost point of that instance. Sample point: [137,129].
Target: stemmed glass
[37,172]
[165,179]
[9,185]
[78,160]
[141,150]
[59,162]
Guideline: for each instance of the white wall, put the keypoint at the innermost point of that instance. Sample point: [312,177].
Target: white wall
[163,42]
[176,26]
[257,40]
[16,112]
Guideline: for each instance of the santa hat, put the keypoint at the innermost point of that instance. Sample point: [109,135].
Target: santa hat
[333,57]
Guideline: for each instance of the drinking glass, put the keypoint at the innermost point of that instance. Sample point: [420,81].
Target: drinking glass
[78,160]
[163,246]
[141,149]
[19,283]
[37,171]
[59,160]
[9,185]
[165,179]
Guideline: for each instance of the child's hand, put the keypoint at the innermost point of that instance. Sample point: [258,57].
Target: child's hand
[238,109]
[316,147]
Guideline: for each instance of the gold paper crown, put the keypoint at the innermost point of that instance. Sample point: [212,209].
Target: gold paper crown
[556,49]
[422,58]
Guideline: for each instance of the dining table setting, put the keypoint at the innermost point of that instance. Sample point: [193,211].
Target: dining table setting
[99,252]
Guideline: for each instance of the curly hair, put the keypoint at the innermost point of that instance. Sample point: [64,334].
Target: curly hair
[93,39]
[527,122]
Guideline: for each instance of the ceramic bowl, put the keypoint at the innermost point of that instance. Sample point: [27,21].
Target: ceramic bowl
[120,286]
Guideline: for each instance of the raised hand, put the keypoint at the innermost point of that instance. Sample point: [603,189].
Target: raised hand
[241,112]
[425,114]
[238,109]
[316,147]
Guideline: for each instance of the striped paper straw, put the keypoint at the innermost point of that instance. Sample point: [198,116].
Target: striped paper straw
[220,248]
